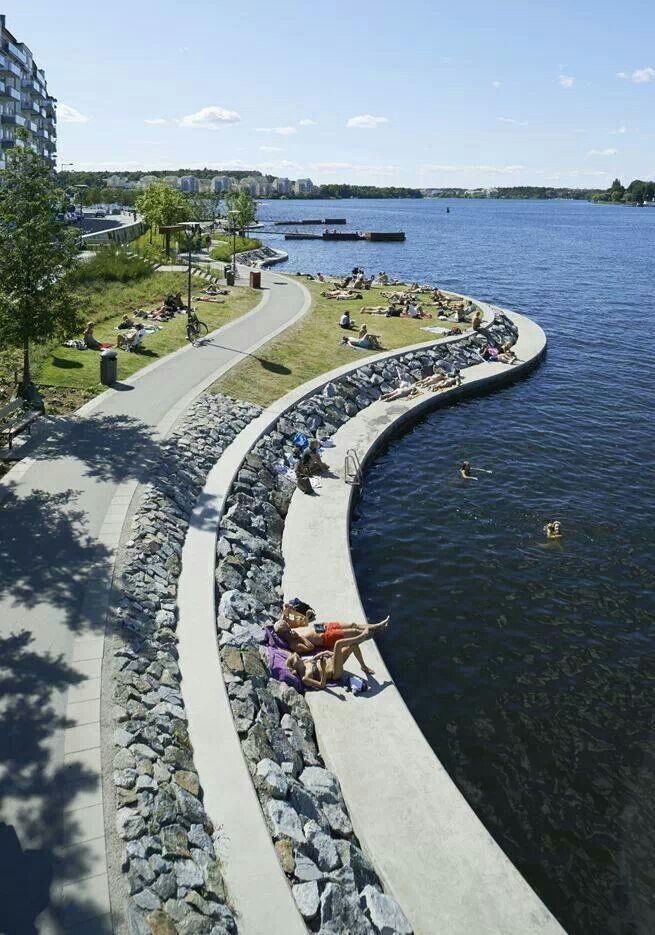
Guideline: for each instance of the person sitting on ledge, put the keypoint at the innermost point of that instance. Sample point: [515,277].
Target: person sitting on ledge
[476,324]
[507,355]
[328,666]
[306,639]
[316,463]
[90,340]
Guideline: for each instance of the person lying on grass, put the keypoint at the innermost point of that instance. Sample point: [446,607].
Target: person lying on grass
[326,667]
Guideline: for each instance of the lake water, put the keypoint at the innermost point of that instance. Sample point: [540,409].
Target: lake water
[529,668]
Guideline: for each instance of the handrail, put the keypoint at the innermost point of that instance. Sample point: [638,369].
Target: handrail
[352,468]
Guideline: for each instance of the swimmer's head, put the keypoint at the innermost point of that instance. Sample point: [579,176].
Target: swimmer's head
[466,467]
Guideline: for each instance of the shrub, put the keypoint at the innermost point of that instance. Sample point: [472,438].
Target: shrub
[222,249]
[111,265]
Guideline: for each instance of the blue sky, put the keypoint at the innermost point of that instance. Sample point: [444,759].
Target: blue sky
[413,93]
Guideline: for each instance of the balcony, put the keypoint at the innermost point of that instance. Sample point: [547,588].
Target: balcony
[17,53]
[31,85]
[13,120]
[10,68]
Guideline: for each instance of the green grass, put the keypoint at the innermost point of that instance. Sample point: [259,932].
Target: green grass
[222,249]
[58,369]
[312,346]
[111,265]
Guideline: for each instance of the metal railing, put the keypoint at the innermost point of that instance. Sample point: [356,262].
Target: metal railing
[352,469]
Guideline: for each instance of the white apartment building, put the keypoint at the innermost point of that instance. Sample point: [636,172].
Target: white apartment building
[204,185]
[24,99]
[115,181]
[282,186]
[188,183]
[171,180]
[250,184]
[145,181]
[221,183]
[303,186]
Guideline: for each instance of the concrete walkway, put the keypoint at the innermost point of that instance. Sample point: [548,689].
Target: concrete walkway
[430,849]
[61,519]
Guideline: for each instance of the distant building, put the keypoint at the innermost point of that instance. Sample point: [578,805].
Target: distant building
[171,180]
[282,186]
[250,184]
[264,188]
[188,183]
[145,181]
[204,185]
[221,183]
[24,99]
[116,181]
[303,187]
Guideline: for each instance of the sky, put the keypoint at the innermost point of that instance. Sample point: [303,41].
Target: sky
[420,93]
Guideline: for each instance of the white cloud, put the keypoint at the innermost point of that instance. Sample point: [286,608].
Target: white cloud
[353,167]
[494,170]
[518,123]
[281,131]
[308,123]
[566,81]
[639,76]
[271,149]
[366,122]
[602,152]
[642,75]
[618,130]
[156,122]
[496,84]
[210,118]
[67,114]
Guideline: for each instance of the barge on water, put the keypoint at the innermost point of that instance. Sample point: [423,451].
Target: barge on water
[312,221]
[375,236]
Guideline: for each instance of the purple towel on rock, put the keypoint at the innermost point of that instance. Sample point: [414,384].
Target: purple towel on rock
[277,663]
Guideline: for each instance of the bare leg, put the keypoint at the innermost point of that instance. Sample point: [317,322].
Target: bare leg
[357,653]
[343,649]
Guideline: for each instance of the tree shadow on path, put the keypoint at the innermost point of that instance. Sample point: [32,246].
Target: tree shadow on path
[33,792]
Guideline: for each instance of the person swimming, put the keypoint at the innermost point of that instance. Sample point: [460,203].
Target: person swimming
[553,530]
[465,471]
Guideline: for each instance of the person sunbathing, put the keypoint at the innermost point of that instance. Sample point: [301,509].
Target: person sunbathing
[507,355]
[305,640]
[405,391]
[207,298]
[126,323]
[214,290]
[439,380]
[415,311]
[131,340]
[476,324]
[340,294]
[328,666]
[375,309]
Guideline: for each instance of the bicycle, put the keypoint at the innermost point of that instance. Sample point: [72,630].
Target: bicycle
[195,328]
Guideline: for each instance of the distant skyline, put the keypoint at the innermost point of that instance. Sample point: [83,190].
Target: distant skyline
[427,95]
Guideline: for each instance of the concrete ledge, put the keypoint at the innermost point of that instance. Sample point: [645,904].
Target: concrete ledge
[428,846]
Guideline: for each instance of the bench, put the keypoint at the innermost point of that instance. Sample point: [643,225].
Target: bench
[15,417]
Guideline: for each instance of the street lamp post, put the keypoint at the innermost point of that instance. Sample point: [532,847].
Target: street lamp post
[233,231]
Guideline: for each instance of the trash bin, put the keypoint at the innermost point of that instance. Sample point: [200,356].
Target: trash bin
[229,277]
[108,366]
[255,279]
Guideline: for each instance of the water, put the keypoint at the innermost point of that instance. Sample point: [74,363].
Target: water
[529,667]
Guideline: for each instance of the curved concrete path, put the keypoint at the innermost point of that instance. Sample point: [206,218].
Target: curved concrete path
[430,849]
[61,519]
[255,880]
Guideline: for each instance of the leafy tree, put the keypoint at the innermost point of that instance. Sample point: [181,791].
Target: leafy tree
[37,255]
[162,206]
[242,210]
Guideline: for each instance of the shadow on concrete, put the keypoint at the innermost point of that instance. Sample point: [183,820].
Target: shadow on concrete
[46,556]
[33,794]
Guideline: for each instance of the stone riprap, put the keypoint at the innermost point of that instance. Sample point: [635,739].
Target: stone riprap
[174,880]
[335,887]
[263,255]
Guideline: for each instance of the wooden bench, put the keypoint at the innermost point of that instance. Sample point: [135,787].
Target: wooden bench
[15,417]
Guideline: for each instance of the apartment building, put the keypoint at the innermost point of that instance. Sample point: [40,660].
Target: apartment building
[303,187]
[188,183]
[24,99]
[221,183]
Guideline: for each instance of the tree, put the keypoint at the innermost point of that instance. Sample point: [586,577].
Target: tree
[242,211]
[161,206]
[37,254]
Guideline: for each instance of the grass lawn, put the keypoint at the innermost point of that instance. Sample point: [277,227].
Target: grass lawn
[312,346]
[67,378]
[222,246]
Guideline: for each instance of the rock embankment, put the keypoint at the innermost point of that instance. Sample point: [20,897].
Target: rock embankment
[335,887]
[259,257]
[173,876]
